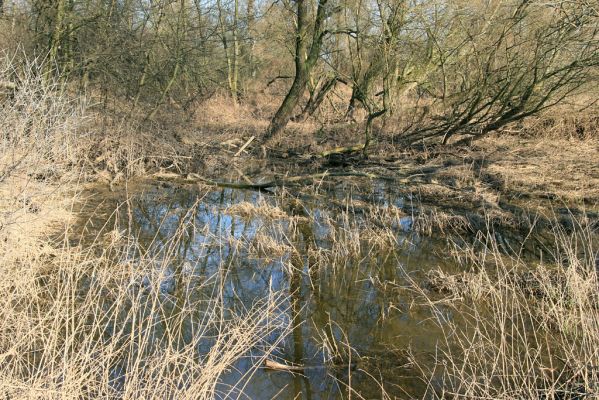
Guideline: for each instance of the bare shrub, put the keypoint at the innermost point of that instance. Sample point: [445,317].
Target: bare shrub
[40,130]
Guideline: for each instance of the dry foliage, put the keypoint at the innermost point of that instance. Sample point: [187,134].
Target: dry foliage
[91,320]
[521,333]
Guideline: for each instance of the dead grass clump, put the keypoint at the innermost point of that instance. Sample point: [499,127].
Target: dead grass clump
[466,284]
[262,209]
[266,247]
[379,239]
[433,220]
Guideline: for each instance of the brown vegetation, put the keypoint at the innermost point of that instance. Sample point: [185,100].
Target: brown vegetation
[523,332]
[482,115]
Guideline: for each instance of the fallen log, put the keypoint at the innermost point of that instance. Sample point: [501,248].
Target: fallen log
[282,181]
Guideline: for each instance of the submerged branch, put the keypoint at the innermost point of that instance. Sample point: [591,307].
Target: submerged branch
[277,366]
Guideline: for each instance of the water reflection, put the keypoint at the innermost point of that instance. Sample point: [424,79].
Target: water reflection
[326,255]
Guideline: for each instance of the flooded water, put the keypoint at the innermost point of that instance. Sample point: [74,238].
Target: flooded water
[335,253]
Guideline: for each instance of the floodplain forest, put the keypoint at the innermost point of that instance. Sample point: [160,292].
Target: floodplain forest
[275,199]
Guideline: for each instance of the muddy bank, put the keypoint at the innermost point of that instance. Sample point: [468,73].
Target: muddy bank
[507,181]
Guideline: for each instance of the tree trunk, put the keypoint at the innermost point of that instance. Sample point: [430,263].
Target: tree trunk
[56,38]
[351,107]
[368,130]
[285,111]
[251,19]
[316,99]
[235,77]
[304,63]
[231,80]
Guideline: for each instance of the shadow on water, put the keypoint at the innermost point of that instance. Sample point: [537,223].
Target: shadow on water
[324,251]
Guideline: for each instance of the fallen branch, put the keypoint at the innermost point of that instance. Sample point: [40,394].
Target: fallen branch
[244,146]
[341,150]
[282,181]
[273,80]
[277,366]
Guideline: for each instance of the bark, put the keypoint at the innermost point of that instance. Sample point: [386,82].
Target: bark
[56,38]
[316,99]
[251,20]
[368,131]
[235,77]
[230,58]
[305,60]
[351,107]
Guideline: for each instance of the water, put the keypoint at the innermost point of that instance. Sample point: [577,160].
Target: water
[335,252]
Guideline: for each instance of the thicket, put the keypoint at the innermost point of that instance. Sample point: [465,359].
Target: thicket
[438,69]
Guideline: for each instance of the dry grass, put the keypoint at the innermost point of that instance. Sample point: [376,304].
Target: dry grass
[520,333]
[564,168]
[265,247]
[107,319]
[103,319]
[89,323]
[40,147]
[262,209]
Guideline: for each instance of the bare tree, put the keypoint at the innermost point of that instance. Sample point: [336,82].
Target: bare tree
[505,62]
[307,52]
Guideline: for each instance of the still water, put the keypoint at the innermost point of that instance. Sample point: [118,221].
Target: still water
[335,252]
